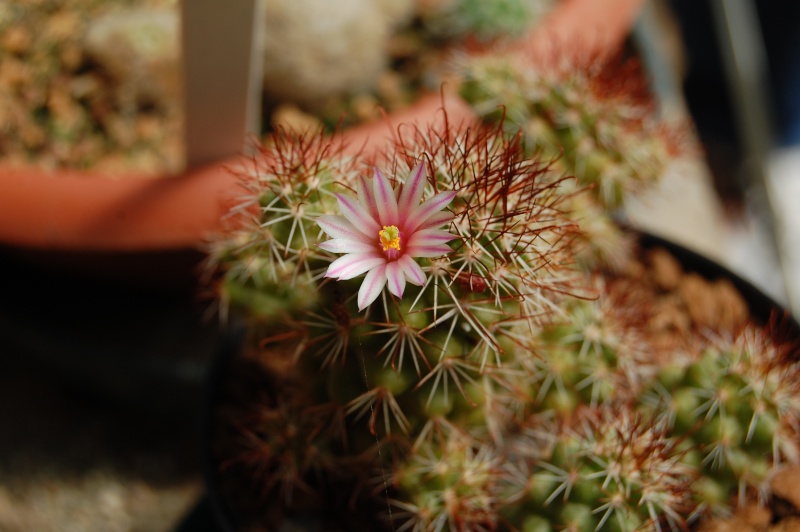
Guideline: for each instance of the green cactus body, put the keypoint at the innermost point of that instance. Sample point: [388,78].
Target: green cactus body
[593,354]
[453,352]
[593,116]
[492,383]
[730,406]
[614,471]
[594,119]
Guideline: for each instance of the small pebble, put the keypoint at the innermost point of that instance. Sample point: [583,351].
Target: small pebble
[666,269]
[785,484]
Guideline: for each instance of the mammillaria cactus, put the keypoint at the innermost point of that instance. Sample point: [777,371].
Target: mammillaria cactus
[594,117]
[596,114]
[594,354]
[437,353]
[341,49]
[450,346]
[737,408]
[450,334]
[614,471]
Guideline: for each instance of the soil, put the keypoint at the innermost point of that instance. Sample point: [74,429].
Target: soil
[679,303]
[63,106]
[67,102]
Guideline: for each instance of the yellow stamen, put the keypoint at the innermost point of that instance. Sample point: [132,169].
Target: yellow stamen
[390,237]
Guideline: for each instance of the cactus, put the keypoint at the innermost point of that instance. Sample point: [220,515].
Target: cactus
[595,118]
[476,377]
[615,470]
[737,407]
[594,354]
[340,50]
[597,115]
[438,353]
[448,339]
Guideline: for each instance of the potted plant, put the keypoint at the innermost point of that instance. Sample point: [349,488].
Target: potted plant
[452,334]
[146,230]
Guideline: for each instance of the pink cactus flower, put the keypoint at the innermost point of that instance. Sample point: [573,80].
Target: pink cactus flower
[381,234]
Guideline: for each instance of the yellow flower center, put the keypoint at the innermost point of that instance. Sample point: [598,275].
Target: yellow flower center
[390,237]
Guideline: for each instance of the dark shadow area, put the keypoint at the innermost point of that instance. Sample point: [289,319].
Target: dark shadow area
[100,387]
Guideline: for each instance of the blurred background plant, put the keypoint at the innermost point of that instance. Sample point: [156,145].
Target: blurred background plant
[594,117]
[404,47]
[485,21]
[92,83]
[89,80]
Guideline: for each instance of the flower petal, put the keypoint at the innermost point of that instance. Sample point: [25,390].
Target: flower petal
[437,220]
[428,251]
[385,200]
[430,237]
[346,245]
[412,189]
[395,278]
[339,227]
[412,270]
[357,215]
[366,197]
[353,265]
[421,213]
[371,287]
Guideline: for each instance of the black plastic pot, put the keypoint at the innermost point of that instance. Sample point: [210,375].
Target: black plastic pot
[142,342]
[229,346]
[761,307]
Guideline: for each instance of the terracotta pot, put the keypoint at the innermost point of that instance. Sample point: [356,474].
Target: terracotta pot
[579,27]
[145,228]
[132,226]
[76,240]
[89,211]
